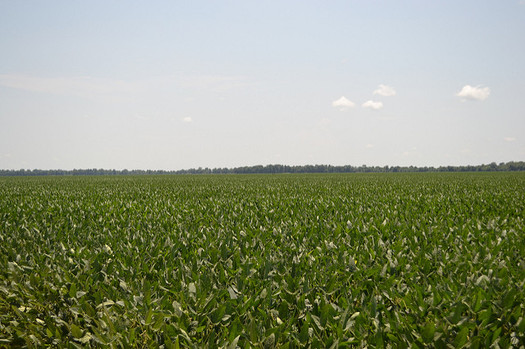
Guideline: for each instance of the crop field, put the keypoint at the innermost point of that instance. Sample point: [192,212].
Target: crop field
[263,261]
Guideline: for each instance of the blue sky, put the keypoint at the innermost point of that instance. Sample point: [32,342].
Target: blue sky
[180,84]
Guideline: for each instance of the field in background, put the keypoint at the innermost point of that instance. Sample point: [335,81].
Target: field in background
[340,260]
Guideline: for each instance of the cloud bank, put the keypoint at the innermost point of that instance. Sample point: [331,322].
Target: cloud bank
[373,105]
[474,93]
[82,86]
[343,104]
[384,90]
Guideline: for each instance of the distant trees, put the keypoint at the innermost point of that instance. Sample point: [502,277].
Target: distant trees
[274,169]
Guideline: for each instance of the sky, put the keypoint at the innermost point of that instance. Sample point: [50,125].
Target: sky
[184,84]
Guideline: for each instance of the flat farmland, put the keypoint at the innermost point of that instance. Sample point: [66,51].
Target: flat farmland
[262,261]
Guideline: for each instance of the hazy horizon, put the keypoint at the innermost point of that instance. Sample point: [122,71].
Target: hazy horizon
[167,85]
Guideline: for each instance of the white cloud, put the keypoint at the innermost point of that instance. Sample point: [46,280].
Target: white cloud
[141,117]
[373,105]
[218,83]
[369,146]
[476,93]
[81,86]
[112,90]
[343,104]
[187,119]
[509,139]
[385,90]
[324,122]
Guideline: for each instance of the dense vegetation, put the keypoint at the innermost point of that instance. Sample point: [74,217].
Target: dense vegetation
[274,169]
[341,260]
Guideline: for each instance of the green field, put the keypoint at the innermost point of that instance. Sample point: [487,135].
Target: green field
[342,260]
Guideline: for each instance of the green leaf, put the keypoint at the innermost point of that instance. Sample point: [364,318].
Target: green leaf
[427,332]
[456,315]
[461,338]
[167,341]
[73,291]
[475,342]
[478,299]
[232,292]
[85,339]
[317,322]
[508,300]
[177,308]
[495,335]
[159,322]
[235,330]
[304,335]
[184,335]
[233,344]
[217,314]
[149,316]
[76,331]
[106,304]
[521,324]
[269,341]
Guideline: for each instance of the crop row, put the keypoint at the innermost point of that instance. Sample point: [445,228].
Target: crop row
[263,261]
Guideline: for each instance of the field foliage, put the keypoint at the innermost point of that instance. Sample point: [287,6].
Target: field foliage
[347,260]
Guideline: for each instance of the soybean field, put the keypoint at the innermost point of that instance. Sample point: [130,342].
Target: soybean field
[261,261]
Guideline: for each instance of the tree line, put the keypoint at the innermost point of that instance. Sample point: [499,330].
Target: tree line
[273,169]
